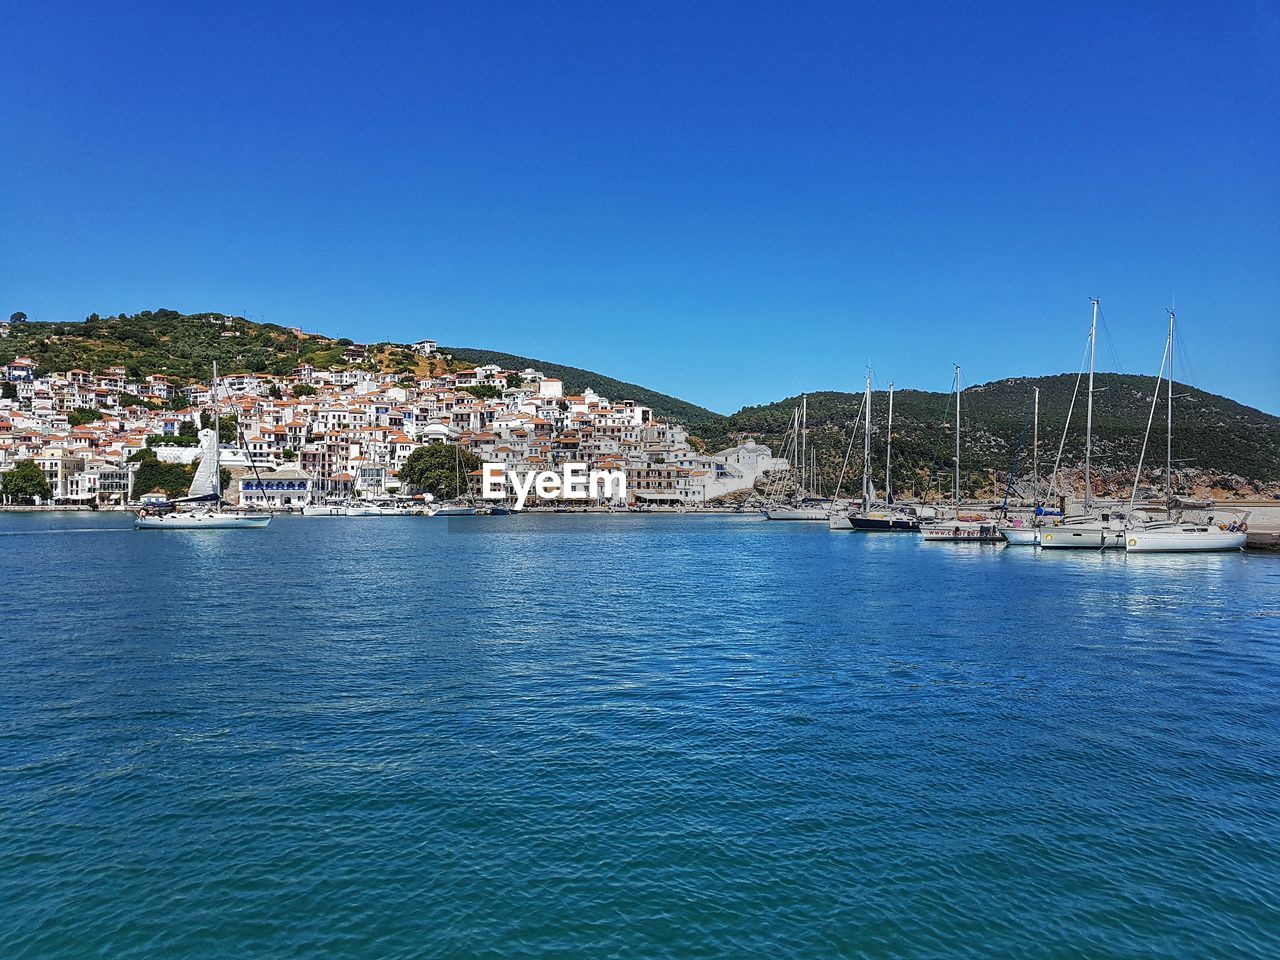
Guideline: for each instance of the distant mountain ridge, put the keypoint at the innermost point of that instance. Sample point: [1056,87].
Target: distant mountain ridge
[1213,434]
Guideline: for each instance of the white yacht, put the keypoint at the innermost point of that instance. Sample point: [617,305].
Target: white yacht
[458,509]
[802,504]
[1178,536]
[1089,531]
[811,508]
[206,490]
[1175,535]
[1019,534]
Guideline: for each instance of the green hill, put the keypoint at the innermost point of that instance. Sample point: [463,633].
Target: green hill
[1211,433]
[182,346]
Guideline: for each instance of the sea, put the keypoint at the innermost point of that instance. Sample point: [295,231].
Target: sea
[629,736]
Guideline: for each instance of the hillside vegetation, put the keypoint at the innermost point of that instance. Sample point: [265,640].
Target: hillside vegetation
[184,346]
[1212,434]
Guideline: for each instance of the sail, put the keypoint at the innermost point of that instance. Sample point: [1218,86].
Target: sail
[204,485]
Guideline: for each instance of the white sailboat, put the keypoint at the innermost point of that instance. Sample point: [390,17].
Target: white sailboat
[802,506]
[206,488]
[960,529]
[1090,531]
[1175,535]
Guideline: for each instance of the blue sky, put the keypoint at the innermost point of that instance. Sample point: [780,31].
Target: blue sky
[729,202]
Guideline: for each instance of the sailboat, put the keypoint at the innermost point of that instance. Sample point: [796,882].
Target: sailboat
[802,505]
[870,519]
[960,529]
[1176,535]
[206,489]
[1016,532]
[460,506]
[1089,531]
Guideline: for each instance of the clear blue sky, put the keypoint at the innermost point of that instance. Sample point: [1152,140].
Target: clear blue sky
[729,202]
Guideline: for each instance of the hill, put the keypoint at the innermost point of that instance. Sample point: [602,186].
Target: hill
[1216,440]
[184,346]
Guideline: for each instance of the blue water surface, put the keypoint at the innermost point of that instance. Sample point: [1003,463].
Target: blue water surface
[625,736]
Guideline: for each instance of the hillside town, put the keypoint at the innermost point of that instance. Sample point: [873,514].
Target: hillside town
[345,432]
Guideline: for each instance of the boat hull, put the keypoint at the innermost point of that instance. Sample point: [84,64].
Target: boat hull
[962,531]
[1020,536]
[1184,541]
[455,512]
[798,513]
[313,510]
[1069,537]
[883,523]
[202,521]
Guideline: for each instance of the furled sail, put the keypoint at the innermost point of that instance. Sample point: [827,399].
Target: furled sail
[204,485]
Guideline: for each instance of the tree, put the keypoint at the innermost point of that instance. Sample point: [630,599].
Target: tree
[439,469]
[8,391]
[289,454]
[82,415]
[274,392]
[172,479]
[304,390]
[187,429]
[514,380]
[482,391]
[25,482]
[17,316]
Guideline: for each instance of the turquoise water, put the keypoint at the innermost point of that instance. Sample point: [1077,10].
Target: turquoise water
[629,736]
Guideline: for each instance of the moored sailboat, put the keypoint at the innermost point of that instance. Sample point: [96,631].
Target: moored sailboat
[802,504]
[960,529]
[888,518]
[1175,535]
[1090,531]
[205,489]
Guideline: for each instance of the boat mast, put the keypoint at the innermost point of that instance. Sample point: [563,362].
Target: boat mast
[1035,446]
[1088,420]
[866,449]
[217,437]
[888,449]
[1168,438]
[957,479]
[804,446]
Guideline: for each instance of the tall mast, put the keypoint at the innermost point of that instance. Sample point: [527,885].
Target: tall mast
[1088,422]
[866,449]
[804,445]
[217,436]
[888,449]
[957,480]
[1168,438]
[1035,446]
